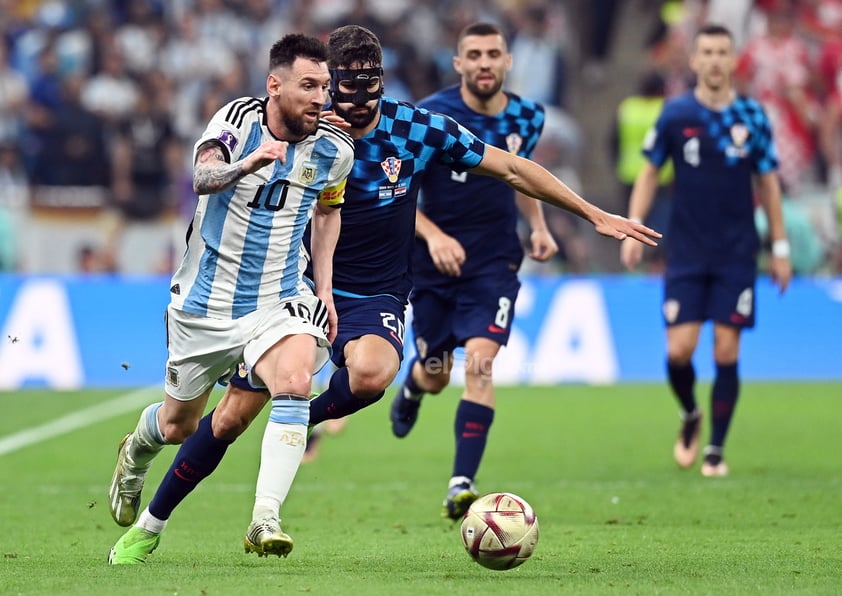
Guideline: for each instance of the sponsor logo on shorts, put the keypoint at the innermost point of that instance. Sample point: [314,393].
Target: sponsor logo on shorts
[495,329]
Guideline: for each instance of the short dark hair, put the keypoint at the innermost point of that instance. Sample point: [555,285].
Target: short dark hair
[353,44]
[714,29]
[480,29]
[295,45]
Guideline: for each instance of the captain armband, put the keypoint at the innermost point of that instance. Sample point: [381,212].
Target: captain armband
[780,249]
[333,196]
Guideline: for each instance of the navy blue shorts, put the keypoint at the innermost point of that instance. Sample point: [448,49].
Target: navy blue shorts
[450,312]
[722,293]
[377,315]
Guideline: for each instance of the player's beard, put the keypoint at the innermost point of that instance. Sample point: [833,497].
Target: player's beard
[298,127]
[356,117]
[484,92]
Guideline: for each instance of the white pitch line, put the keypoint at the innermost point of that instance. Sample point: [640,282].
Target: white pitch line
[80,419]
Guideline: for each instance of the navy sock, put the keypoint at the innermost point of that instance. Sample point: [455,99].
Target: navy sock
[337,400]
[196,459]
[471,428]
[726,388]
[682,379]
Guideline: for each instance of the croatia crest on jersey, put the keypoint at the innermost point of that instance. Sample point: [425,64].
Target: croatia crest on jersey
[739,134]
[392,168]
[514,142]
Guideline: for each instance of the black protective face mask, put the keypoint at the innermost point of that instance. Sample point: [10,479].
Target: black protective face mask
[359,78]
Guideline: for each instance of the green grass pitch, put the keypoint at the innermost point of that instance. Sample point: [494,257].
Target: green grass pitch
[617,516]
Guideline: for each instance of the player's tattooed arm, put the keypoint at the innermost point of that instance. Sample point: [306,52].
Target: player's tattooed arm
[212,173]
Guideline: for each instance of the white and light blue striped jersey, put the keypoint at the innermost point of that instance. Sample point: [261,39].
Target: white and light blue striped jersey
[244,248]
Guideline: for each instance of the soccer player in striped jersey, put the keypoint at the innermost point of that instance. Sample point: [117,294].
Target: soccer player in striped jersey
[395,142]
[467,255]
[263,168]
[720,145]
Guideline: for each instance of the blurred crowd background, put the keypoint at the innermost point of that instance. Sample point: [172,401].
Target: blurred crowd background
[101,102]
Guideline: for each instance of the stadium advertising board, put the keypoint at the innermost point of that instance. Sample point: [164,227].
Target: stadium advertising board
[75,332]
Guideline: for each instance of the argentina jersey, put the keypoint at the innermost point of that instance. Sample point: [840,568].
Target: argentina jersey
[466,205]
[378,217]
[244,249]
[714,153]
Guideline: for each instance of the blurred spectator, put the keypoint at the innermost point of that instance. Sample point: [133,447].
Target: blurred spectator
[668,47]
[539,64]
[635,118]
[73,151]
[602,19]
[147,158]
[110,93]
[775,68]
[14,207]
[14,91]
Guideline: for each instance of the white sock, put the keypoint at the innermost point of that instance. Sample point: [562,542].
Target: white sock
[150,523]
[147,439]
[283,446]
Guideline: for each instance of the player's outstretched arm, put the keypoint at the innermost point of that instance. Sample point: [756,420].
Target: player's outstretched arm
[640,202]
[532,179]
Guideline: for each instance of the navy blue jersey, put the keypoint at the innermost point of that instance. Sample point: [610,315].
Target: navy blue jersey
[374,252]
[714,154]
[479,211]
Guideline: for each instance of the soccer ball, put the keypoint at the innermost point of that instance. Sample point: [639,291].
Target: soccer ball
[500,530]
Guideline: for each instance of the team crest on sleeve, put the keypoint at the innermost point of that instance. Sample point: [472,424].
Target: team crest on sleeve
[308,173]
[514,142]
[392,167]
[227,138]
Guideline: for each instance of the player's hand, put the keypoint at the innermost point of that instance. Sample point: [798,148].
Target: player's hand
[544,246]
[781,271]
[335,118]
[447,254]
[332,317]
[621,228]
[265,155]
[631,253]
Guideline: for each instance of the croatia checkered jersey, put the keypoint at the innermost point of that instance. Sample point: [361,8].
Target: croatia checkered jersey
[466,206]
[715,154]
[244,248]
[374,252]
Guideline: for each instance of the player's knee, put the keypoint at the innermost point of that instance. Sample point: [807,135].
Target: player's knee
[175,433]
[229,425]
[435,383]
[369,382]
[679,354]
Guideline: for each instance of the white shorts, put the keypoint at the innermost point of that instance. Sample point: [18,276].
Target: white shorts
[203,350]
